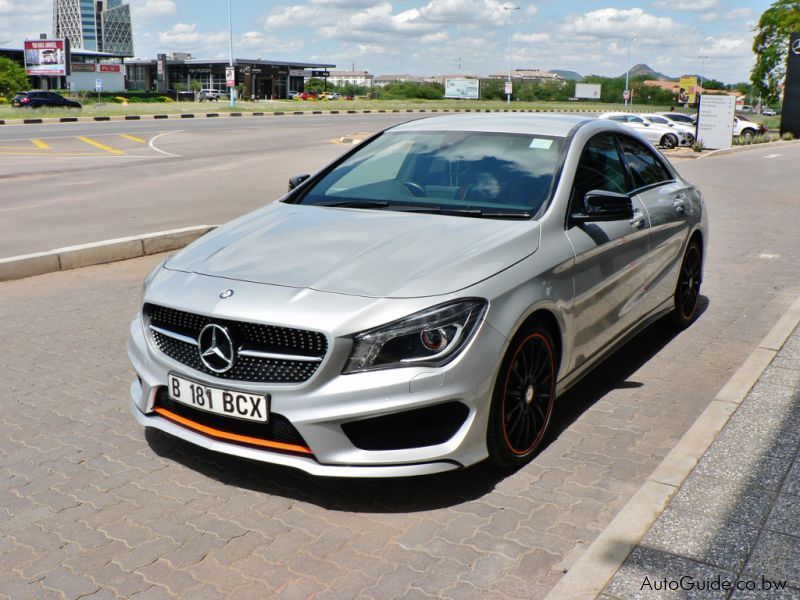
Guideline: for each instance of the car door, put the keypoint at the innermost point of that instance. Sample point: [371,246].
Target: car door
[610,271]
[668,202]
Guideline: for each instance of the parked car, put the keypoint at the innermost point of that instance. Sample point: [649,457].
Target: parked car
[291,95]
[686,128]
[746,108]
[307,96]
[769,112]
[658,135]
[745,130]
[209,94]
[39,99]
[680,117]
[419,304]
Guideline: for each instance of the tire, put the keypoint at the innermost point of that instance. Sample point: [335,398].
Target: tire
[669,141]
[523,397]
[687,290]
[747,135]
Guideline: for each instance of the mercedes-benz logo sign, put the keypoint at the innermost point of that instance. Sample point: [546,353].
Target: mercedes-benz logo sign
[216,348]
[226,294]
[796,46]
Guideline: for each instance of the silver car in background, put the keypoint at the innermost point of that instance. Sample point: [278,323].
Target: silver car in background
[657,134]
[419,305]
[687,129]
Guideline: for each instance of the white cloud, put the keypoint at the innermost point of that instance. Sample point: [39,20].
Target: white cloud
[709,17]
[726,48]
[619,23]
[691,5]
[289,16]
[531,38]
[154,8]
[185,34]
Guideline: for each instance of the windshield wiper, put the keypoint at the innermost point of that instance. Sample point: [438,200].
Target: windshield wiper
[355,204]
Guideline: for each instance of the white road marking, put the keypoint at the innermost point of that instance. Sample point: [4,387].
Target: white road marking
[769,256]
[773,155]
[152,143]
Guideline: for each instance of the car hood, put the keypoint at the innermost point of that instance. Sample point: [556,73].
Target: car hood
[359,252]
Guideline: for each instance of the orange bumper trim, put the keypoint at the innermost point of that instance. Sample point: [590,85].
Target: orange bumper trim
[234,437]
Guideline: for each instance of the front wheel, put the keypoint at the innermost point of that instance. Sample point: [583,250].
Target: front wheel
[687,290]
[523,398]
[669,141]
[747,135]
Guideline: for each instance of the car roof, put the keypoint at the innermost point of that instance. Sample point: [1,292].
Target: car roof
[539,124]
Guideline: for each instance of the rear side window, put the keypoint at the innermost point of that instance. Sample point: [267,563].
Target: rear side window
[646,168]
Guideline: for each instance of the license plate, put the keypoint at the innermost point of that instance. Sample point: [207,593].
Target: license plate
[228,403]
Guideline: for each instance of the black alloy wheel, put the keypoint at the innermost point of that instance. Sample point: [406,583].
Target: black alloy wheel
[669,141]
[687,291]
[523,398]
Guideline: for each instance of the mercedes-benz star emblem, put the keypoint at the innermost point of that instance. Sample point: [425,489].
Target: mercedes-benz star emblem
[216,348]
[796,46]
[226,294]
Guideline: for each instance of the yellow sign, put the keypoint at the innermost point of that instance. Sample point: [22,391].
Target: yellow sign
[687,93]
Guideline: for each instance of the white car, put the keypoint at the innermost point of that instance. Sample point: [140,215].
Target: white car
[686,128]
[747,130]
[658,135]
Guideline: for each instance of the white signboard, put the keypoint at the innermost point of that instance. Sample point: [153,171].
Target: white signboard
[465,89]
[590,91]
[98,85]
[509,88]
[715,121]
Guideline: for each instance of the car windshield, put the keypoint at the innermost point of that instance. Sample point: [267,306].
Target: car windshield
[480,174]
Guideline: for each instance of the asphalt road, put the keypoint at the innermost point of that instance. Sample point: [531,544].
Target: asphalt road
[74,183]
[94,507]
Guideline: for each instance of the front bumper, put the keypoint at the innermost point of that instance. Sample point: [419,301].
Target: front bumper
[319,407]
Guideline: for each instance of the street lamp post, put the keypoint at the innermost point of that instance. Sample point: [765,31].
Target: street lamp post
[231,90]
[630,40]
[702,68]
[508,95]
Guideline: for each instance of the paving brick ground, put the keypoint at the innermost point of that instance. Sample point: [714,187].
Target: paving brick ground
[90,507]
[736,518]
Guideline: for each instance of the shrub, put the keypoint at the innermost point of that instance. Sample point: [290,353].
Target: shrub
[120,100]
[788,136]
[699,146]
[3,100]
[164,99]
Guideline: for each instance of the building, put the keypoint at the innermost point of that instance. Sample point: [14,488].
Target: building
[94,25]
[384,80]
[357,78]
[260,78]
[86,67]
[531,75]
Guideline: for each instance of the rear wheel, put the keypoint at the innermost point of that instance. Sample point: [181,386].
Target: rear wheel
[687,291]
[523,398]
[669,141]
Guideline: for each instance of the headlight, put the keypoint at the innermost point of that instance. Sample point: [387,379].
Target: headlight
[428,338]
[151,276]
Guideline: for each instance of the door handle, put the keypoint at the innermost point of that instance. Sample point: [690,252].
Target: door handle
[638,220]
[680,204]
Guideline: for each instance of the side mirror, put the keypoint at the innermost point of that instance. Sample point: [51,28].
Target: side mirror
[297,180]
[600,205]
[646,124]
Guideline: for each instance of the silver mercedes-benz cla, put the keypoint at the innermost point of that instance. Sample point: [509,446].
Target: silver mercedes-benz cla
[420,304]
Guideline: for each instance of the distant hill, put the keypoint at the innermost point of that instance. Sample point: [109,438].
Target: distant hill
[570,75]
[641,69]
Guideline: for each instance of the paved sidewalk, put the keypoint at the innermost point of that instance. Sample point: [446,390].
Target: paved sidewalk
[733,528]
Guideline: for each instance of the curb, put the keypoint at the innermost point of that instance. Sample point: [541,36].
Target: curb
[737,149]
[96,253]
[588,577]
[277,113]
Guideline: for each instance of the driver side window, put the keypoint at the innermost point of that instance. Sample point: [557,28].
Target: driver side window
[600,168]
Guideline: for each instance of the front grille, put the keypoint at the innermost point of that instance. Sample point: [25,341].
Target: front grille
[410,429]
[279,429]
[298,343]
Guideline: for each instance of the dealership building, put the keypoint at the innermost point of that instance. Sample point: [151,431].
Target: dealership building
[260,78]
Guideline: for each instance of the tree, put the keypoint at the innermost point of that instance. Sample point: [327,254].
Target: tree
[771,45]
[195,85]
[12,78]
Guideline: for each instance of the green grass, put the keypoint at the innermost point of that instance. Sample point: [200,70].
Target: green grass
[112,109]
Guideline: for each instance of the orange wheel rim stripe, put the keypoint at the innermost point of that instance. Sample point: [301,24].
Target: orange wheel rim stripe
[234,437]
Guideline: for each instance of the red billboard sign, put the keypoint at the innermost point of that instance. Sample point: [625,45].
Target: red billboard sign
[45,58]
[110,68]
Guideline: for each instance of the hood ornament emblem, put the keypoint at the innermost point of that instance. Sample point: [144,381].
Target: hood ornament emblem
[226,294]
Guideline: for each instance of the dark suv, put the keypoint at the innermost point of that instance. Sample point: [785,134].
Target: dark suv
[40,99]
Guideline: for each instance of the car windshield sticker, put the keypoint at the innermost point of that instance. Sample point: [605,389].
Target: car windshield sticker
[541,144]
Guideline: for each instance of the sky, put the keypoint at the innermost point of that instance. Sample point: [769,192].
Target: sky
[428,37]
